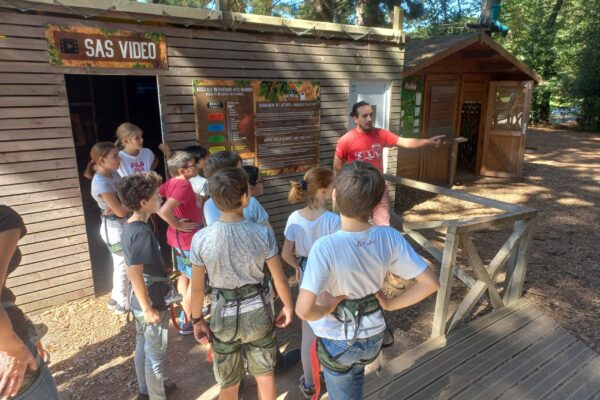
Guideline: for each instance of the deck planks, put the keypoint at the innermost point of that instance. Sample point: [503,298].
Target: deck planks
[515,352]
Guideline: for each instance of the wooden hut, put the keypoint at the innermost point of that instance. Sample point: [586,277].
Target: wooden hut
[467,86]
[66,84]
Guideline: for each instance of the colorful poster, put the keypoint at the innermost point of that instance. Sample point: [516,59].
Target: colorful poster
[412,94]
[225,116]
[77,46]
[272,124]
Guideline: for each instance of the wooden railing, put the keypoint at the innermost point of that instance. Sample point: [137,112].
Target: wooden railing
[459,233]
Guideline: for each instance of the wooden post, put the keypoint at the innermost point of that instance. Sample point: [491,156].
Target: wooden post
[453,158]
[397,18]
[440,316]
[514,288]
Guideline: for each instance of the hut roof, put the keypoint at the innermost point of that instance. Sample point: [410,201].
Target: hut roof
[420,53]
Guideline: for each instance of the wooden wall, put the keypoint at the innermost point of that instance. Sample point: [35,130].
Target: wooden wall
[38,174]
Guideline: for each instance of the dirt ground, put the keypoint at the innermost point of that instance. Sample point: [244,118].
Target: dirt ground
[92,348]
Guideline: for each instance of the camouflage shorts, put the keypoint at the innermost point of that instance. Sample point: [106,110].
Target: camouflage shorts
[253,339]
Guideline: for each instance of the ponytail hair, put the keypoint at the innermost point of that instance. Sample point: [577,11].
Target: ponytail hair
[124,131]
[101,149]
[306,189]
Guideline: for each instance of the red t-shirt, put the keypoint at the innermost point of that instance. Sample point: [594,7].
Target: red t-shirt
[181,190]
[366,147]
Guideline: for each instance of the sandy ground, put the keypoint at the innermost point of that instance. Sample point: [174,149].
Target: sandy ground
[92,348]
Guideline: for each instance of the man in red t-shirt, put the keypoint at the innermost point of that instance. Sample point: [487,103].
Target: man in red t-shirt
[365,143]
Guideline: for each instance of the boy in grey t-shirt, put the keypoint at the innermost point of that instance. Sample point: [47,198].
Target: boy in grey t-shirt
[233,251]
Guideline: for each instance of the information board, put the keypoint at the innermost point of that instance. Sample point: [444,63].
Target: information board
[411,102]
[272,124]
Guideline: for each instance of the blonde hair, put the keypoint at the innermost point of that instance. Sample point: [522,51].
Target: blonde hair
[315,178]
[101,149]
[126,130]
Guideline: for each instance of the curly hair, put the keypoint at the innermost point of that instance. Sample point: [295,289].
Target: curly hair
[135,188]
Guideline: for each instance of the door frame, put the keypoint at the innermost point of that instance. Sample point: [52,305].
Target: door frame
[527,86]
[430,80]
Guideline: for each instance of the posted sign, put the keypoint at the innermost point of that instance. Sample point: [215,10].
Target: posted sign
[272,124]
[76,46]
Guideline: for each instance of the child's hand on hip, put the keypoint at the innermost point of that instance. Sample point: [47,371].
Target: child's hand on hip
[330,302]
[384,302]
[186,225]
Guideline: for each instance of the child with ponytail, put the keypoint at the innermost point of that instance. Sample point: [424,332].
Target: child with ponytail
[134,156]
[102,170]
[303,228]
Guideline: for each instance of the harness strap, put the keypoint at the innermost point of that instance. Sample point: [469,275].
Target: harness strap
[242,293]
[114,247]
[351,311]
[316,370]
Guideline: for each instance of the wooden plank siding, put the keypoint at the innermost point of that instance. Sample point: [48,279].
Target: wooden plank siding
[38,173]
[38,170]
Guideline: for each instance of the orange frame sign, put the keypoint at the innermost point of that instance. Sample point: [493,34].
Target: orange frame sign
[76,46]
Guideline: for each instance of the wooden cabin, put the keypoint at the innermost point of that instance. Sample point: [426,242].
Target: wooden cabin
[464,86]
[63,88]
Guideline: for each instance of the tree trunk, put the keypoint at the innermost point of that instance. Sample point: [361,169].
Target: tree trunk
[548,66]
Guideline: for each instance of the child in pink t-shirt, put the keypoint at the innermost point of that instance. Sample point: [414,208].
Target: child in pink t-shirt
[184,217]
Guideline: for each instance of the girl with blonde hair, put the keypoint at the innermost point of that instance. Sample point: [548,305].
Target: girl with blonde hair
[303,228]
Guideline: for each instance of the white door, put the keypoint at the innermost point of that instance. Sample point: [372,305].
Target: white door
[376,93]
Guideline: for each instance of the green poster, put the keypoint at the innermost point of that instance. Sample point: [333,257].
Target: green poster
[411,110]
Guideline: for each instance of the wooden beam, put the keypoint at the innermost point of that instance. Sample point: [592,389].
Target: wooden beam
[427,187]
[480,223]
[479,269]
[507,249]
[465,306]
[514,286]
[443,297]
[300,26]
[132,7]
[478,54]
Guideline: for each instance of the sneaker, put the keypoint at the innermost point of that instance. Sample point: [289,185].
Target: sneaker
[185,329]
[111,304]
[169,386]
[287,361]
[307,392]
[120,310]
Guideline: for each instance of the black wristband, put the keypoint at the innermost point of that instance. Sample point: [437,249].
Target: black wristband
[194,321]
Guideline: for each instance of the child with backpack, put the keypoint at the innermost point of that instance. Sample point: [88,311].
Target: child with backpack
[233,252]
[102,170]
[184,217]
[149,278]
[346,270]
[302,229]
[134,156]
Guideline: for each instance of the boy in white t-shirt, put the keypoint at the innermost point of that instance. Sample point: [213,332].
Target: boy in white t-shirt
[345,271]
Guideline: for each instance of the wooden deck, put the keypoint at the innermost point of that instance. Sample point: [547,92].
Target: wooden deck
[513,353]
